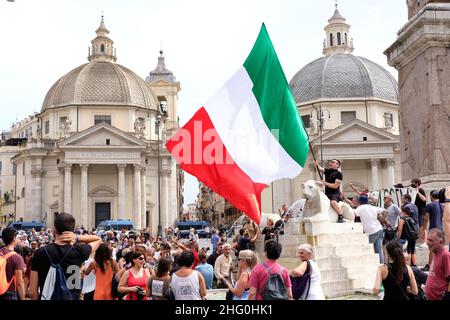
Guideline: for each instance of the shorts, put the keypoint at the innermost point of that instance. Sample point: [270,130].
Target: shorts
[421,219]
[9,295]
[334,197]
[411,247]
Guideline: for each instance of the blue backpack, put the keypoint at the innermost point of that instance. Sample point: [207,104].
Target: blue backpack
[55,286]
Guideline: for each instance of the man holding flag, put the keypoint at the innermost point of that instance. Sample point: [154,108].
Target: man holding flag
[247,135]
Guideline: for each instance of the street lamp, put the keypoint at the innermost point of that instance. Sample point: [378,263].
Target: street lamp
[162,113]
[321,121]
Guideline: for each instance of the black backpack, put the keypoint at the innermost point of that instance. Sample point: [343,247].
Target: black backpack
[275,288]
[411,229]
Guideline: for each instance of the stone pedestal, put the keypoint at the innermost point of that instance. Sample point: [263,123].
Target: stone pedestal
[421,55]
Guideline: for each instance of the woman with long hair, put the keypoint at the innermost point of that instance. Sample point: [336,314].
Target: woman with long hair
[104,267]
[159,284]
[397,277]
[134,281]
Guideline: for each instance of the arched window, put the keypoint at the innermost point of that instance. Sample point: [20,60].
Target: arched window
[331,39]
[339,38]
[102,48]
[346,40]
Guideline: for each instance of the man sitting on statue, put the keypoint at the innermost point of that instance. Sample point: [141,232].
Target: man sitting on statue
[332,182]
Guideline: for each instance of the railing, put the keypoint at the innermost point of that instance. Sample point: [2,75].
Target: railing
[49,144]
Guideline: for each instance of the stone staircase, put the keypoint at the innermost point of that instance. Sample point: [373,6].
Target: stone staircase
[346,260]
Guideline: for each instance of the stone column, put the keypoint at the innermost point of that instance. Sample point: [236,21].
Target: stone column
[68,189]
[61,189]
[84,196]
[137,196]
[121,190]
[143,198]
[375,180]
[29,193]
[37,174]
[165,174]
[390,171]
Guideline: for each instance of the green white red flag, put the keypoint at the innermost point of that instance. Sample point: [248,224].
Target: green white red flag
[247,135]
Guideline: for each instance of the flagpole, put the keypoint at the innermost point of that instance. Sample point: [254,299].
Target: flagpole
[312,151]
[273,207]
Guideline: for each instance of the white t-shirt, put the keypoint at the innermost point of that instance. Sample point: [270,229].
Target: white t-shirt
[315,289]
[89,280]
[187,288]
[369,218]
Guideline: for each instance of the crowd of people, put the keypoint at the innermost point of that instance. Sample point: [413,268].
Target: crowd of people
[71,263]
[132,265]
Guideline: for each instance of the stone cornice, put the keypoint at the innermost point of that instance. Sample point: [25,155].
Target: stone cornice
[429,28]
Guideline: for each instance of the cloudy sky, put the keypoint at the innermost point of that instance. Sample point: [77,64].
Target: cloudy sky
[204,42]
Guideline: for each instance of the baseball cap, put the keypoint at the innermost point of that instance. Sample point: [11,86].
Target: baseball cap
[363,199]
[388,196]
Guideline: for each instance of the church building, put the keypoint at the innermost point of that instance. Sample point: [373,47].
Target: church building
[350,107]
[93,149]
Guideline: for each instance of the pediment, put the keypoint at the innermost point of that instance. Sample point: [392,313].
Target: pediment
[102,192]
[98,135]
[355,132]
[160,82]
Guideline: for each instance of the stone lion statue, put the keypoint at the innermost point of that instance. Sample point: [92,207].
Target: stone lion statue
[317,205]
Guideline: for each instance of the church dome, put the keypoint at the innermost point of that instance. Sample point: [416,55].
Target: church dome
[99,83]
[343,75]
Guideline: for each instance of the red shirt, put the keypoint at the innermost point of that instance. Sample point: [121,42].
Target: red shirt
[260,275]
[437,281]
[14,262]
[196,260]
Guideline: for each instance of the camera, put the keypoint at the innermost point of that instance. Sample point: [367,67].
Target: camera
[140,293]
[206,249]
[442,196]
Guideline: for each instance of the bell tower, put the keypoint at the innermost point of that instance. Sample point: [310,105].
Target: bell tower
[102,46]
[337,35]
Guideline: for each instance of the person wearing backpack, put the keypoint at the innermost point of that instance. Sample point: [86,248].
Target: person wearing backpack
[12,267]
[51,277]
[269,280]
[408,231]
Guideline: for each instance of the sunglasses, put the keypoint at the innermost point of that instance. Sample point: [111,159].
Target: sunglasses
[141,258]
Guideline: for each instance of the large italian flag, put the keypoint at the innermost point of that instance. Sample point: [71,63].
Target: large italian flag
[247,135]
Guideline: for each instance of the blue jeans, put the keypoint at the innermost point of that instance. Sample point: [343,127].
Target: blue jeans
[377,240]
